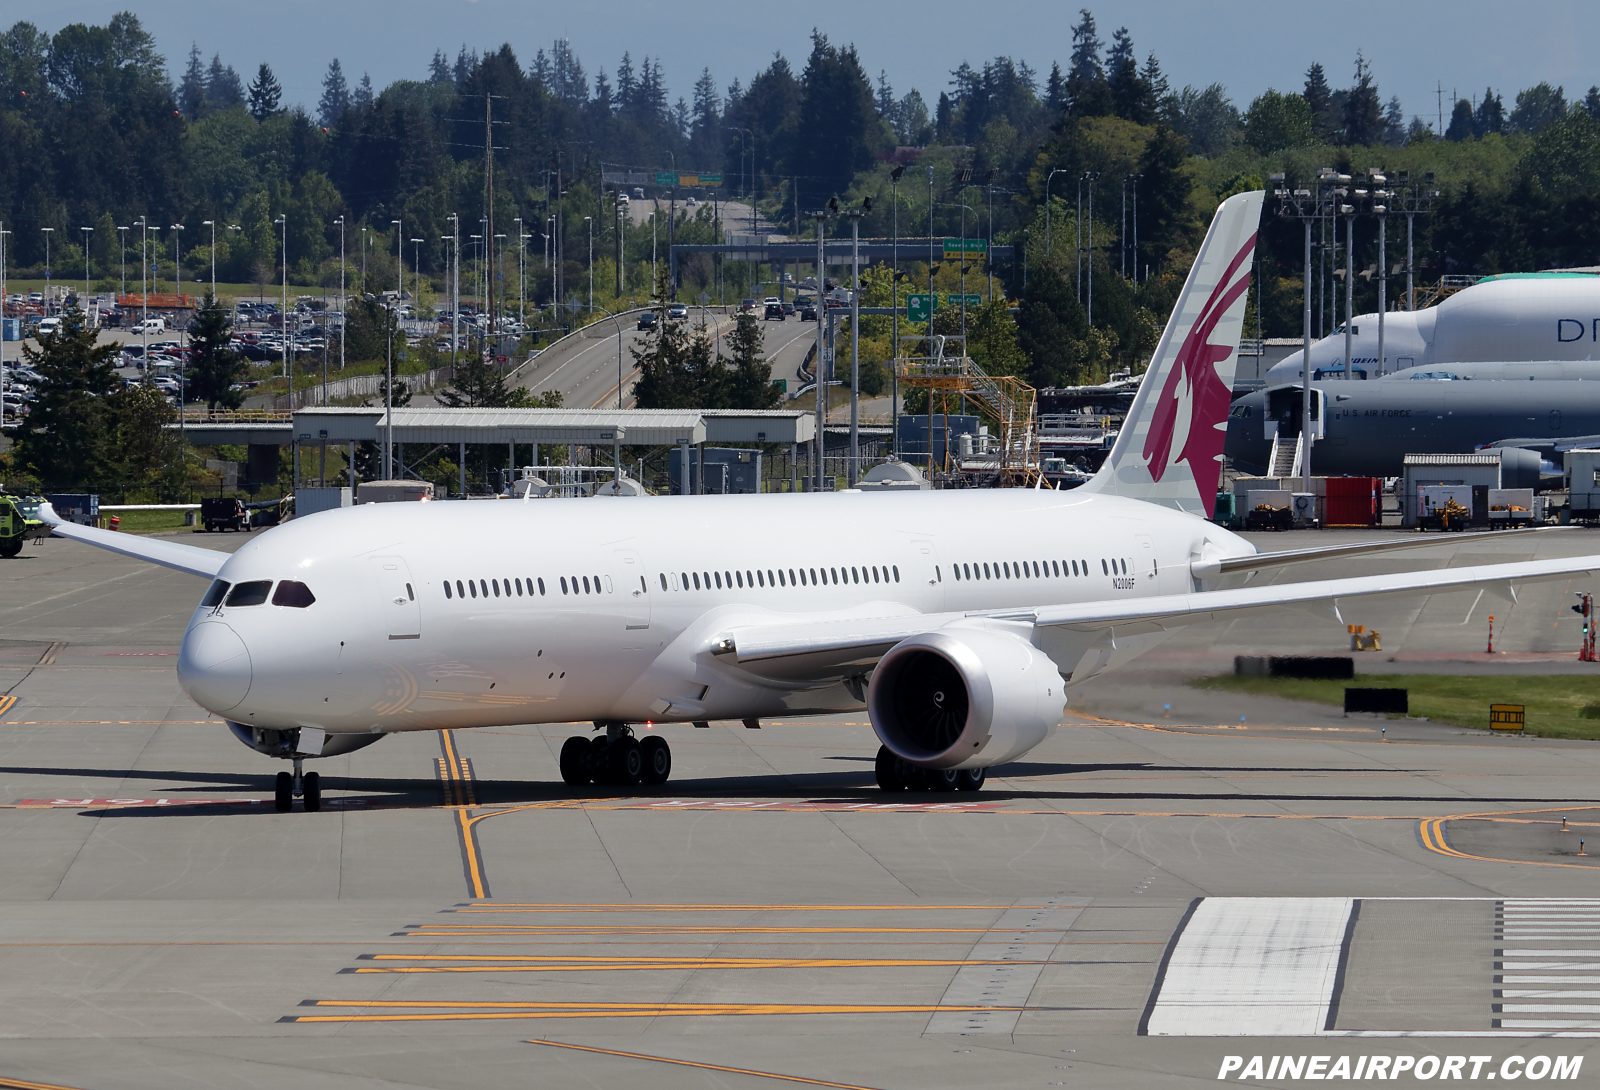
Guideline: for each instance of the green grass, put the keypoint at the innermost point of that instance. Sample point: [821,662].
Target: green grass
[148,522]
[1554,702]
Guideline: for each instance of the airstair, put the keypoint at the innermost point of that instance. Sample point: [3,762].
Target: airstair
[1285,461]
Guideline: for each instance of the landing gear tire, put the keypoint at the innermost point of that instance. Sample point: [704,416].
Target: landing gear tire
[311,791]
[574,760]
[625,761]
[970,779]
[283,792]
[656,758]
[891,771]
[595,766]
[940,779]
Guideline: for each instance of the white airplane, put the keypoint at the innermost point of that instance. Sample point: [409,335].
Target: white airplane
[954,616]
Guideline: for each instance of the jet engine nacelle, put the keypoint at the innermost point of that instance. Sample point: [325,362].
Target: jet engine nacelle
[287,743]
[964,698]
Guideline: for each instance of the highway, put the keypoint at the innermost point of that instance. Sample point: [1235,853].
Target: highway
[584,368]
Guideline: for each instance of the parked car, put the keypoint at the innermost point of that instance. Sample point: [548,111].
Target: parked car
[219,513]
[774,310]
[150,325]
[647,321]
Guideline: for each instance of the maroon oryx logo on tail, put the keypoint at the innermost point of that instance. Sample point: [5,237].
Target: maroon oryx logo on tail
[1193,380]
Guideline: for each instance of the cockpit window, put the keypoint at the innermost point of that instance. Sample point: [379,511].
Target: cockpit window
[290,593]
[250,594]
[215,595]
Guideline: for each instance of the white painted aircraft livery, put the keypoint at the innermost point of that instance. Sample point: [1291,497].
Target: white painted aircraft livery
[1512,318]
[953,616]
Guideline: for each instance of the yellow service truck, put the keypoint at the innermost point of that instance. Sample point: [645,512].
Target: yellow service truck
[19,521]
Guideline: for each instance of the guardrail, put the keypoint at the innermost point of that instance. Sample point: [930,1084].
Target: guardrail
[235,416]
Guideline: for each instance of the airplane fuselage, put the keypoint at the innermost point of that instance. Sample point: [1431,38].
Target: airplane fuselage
[445,615]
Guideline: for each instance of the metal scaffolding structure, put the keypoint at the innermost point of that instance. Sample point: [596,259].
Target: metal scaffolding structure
[1012,405]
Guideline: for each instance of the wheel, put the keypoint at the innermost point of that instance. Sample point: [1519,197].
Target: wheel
[574,766]
[311,791]
[10,547]
[656,757]
[890,770]
[596,767]
[939,779]
[971,779]
[625,761]
[283,792]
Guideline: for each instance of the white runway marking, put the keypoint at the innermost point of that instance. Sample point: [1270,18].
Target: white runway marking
[1249,966]
[1567,921]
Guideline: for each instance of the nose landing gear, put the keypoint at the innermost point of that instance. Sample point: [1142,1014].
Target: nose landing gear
[616,758]
[288,788]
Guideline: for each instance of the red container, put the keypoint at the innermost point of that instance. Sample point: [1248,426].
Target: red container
[1354,501]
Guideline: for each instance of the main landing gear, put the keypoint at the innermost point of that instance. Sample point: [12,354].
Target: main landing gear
[289,788]
[616,758]
[898,774]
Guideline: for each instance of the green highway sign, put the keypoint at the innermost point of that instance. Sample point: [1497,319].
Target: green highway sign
[970,300]
[685,178]
[966,247]
[666,177]
[919,307]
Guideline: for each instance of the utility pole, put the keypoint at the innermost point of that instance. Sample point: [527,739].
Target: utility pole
[822,320]
[344,303]
[855,340]
[488,192]
[894,284]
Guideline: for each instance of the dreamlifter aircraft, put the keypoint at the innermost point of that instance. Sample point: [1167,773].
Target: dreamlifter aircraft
[953,615]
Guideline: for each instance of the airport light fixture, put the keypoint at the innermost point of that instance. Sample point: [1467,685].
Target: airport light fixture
[1307,204]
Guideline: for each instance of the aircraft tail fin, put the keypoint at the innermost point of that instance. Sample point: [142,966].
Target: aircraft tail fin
[1170,449]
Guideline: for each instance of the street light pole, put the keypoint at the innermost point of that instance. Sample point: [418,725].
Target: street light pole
[455,287]
[818,371]
[123,244]
[894,327]
[283,323]
[855,340]
[177,276]
[213,225]
[590,221]
[1053,173]
[344,304]
[393,320]
[144,292]
[86,232]
[47,232]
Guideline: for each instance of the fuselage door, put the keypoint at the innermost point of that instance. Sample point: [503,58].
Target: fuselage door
[397,597]
[635,589]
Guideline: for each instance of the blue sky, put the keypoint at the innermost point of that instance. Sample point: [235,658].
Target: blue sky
[1245,46]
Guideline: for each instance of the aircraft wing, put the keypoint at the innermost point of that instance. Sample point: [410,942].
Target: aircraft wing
[822,650]
[169,554]
[1206,569]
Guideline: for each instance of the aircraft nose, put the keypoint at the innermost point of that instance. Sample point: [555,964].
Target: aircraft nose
[214,666]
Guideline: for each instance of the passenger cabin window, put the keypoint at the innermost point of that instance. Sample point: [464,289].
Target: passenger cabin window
[215,594]
[447,591]
[459,592]
[541,588]
[297,595]
[250,594]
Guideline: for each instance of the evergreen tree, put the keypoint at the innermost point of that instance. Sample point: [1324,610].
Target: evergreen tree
[1394,122]
[1055,90]
[885,98]
[677,371]
[466,63]
[1277,121]
[1160,91]
[223,87]
[602,104]
[192,91]
[335,96]
[69,438]
[439,68]
[1131,96]
[1319,97]
[1490,115]
[1050,323]
[151,455]
[1460,122]
[1363,109]
[361,100]
[214,366]
[748,384]
[265,93]
[627,84]
[836,132]
[911,120]
[1591,102]
[1085,64]
[478,384]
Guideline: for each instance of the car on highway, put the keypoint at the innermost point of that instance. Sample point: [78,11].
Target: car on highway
[648,321]
[677,311]
[788,308]
[747,304]
[808,313]
[774,310]
[638,194]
